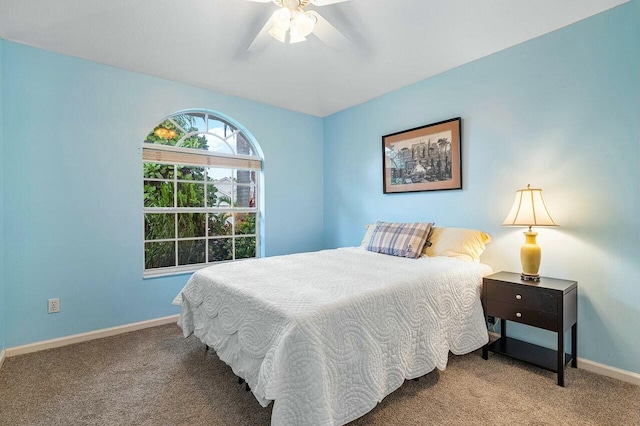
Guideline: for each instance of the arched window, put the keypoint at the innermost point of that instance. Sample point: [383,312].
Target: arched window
[201,188]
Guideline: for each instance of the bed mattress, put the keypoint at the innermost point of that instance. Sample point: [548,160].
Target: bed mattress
[327,335]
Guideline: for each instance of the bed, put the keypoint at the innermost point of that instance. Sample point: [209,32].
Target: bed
[327,335]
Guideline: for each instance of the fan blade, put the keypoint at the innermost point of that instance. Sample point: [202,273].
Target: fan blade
[323,2]
[328,33]
[262,39]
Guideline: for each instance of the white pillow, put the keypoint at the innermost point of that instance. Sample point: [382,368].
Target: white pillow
[463,244]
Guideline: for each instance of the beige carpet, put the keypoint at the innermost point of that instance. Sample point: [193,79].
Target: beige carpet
[156,377]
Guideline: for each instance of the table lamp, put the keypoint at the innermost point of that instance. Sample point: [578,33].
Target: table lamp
[529,210]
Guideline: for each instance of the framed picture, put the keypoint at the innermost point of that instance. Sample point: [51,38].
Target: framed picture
[427,158]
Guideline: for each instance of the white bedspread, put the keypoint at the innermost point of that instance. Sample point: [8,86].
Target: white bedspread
[327,335]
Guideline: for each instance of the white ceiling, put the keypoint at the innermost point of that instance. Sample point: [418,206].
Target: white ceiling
[203,42]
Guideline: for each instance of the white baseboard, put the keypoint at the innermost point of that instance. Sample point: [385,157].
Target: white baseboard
[607,370]
[2,357]
[85,337]
[602,369]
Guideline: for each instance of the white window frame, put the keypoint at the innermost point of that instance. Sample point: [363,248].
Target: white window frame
[206,210]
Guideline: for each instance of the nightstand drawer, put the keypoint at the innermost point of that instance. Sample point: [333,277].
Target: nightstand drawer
[522,296]
[511,312]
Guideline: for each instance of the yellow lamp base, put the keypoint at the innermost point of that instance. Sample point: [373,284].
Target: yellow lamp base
[530,255]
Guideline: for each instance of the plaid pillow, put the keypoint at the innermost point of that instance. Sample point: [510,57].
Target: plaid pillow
[399,239]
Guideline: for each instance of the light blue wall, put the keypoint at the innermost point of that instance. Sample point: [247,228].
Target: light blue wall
[72,167]
[559,112]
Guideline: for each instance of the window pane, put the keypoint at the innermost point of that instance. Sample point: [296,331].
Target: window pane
[197,122]
[159,255]
[245,177]
[245,195]
[165,133]
[219,182]
[215,174]
[191,173]
[215,125]
[158,171]
[197,141]
[191,252]
[239,144]
[218,198]
[217,143]
[159,226]
[190,194]
[220,249]
[243,146]
[158,194]
[191,122]
[222,137]
[191,225]
[245,247]
[245,223]
[220,224]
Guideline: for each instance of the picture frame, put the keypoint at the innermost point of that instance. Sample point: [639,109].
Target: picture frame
[426,158]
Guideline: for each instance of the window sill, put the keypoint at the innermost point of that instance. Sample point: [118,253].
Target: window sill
[170,272]
[183,270]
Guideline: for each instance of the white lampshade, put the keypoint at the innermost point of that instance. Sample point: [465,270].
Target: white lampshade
[281,18]
[278,33]
[303,23]
[280,23]
[529,209]
[295,36]
[297,22]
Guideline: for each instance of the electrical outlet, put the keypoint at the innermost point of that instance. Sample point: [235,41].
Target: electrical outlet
[491,320]
[54,305]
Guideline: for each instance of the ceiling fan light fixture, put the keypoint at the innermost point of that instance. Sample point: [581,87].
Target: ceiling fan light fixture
[302,22]
[291,21]
[278,33]
[280,24]
[295,36]
[291,4]
[281,19]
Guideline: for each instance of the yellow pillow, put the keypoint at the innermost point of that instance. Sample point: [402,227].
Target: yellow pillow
[463,244]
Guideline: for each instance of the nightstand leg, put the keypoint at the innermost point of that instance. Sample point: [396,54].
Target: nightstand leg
[574,345]
[503,328]
[561,358]
[485,351]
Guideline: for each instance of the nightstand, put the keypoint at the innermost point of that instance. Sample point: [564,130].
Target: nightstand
[550,304]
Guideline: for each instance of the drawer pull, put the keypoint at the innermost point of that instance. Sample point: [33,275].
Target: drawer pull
[518,314]
[518,297]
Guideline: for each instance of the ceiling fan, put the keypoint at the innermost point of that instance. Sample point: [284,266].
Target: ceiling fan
[293,20]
